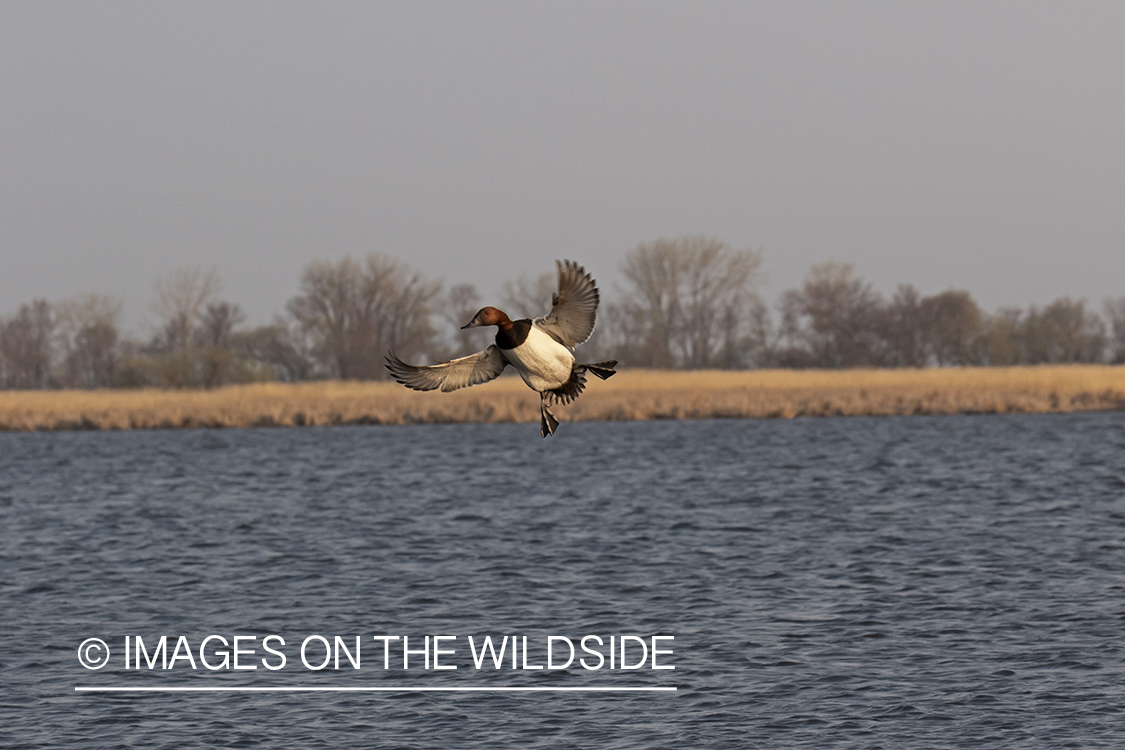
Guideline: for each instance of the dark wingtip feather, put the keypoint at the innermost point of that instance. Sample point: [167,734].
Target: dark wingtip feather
[391,362]
[401,372]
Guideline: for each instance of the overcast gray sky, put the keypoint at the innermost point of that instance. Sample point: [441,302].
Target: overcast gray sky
[977,145]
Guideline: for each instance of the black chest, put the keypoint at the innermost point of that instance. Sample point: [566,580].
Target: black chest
[514,336]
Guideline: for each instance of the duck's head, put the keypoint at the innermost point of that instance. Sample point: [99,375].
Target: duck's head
[488,316]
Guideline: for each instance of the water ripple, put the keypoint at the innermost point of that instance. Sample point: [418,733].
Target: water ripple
[896,582]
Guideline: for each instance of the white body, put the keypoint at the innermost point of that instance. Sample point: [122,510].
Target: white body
[542,362]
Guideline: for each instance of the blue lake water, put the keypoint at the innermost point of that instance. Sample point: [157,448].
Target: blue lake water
[885,582]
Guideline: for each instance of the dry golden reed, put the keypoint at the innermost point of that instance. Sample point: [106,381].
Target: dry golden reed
[631,395]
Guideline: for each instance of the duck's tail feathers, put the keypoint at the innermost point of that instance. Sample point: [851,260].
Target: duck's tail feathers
[547,422]
[569,390]
[603,370]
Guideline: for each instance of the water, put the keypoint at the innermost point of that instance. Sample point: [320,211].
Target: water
[893,582]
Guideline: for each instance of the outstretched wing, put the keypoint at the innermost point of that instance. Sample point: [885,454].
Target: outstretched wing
[571,320]
[449,376]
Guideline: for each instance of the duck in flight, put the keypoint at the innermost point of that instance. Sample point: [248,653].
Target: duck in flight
[541,350]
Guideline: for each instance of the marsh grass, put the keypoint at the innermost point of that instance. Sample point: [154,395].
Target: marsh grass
[631,395]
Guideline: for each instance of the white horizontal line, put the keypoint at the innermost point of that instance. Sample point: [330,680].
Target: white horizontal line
[399,689]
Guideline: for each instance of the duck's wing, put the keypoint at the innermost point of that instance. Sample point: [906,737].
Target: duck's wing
[449,376]
[571,320]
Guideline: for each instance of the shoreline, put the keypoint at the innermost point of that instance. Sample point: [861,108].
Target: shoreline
[630,396]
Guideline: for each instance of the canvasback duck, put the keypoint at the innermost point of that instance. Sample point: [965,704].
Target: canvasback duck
[541,350]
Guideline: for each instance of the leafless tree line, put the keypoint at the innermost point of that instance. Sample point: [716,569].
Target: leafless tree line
[688,303]
[692,303]
[835,319]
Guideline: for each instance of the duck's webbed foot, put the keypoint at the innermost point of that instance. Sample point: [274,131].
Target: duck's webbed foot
[547,422]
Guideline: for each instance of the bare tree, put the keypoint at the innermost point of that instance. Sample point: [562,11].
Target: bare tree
[460,304]
[716,299]
[404,318]
[279,351]
[950,323]
[354,311]
[1063,331]
[901,327]
[998,344]
[26,347]
[1115,317]
[760,340]
[217,358]
[89,334]
[180,300]
[686,300]
[327,309]
[651,307]
[789,344]
[218,322]
[842,311]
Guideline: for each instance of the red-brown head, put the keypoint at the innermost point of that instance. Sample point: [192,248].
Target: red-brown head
[488,316]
